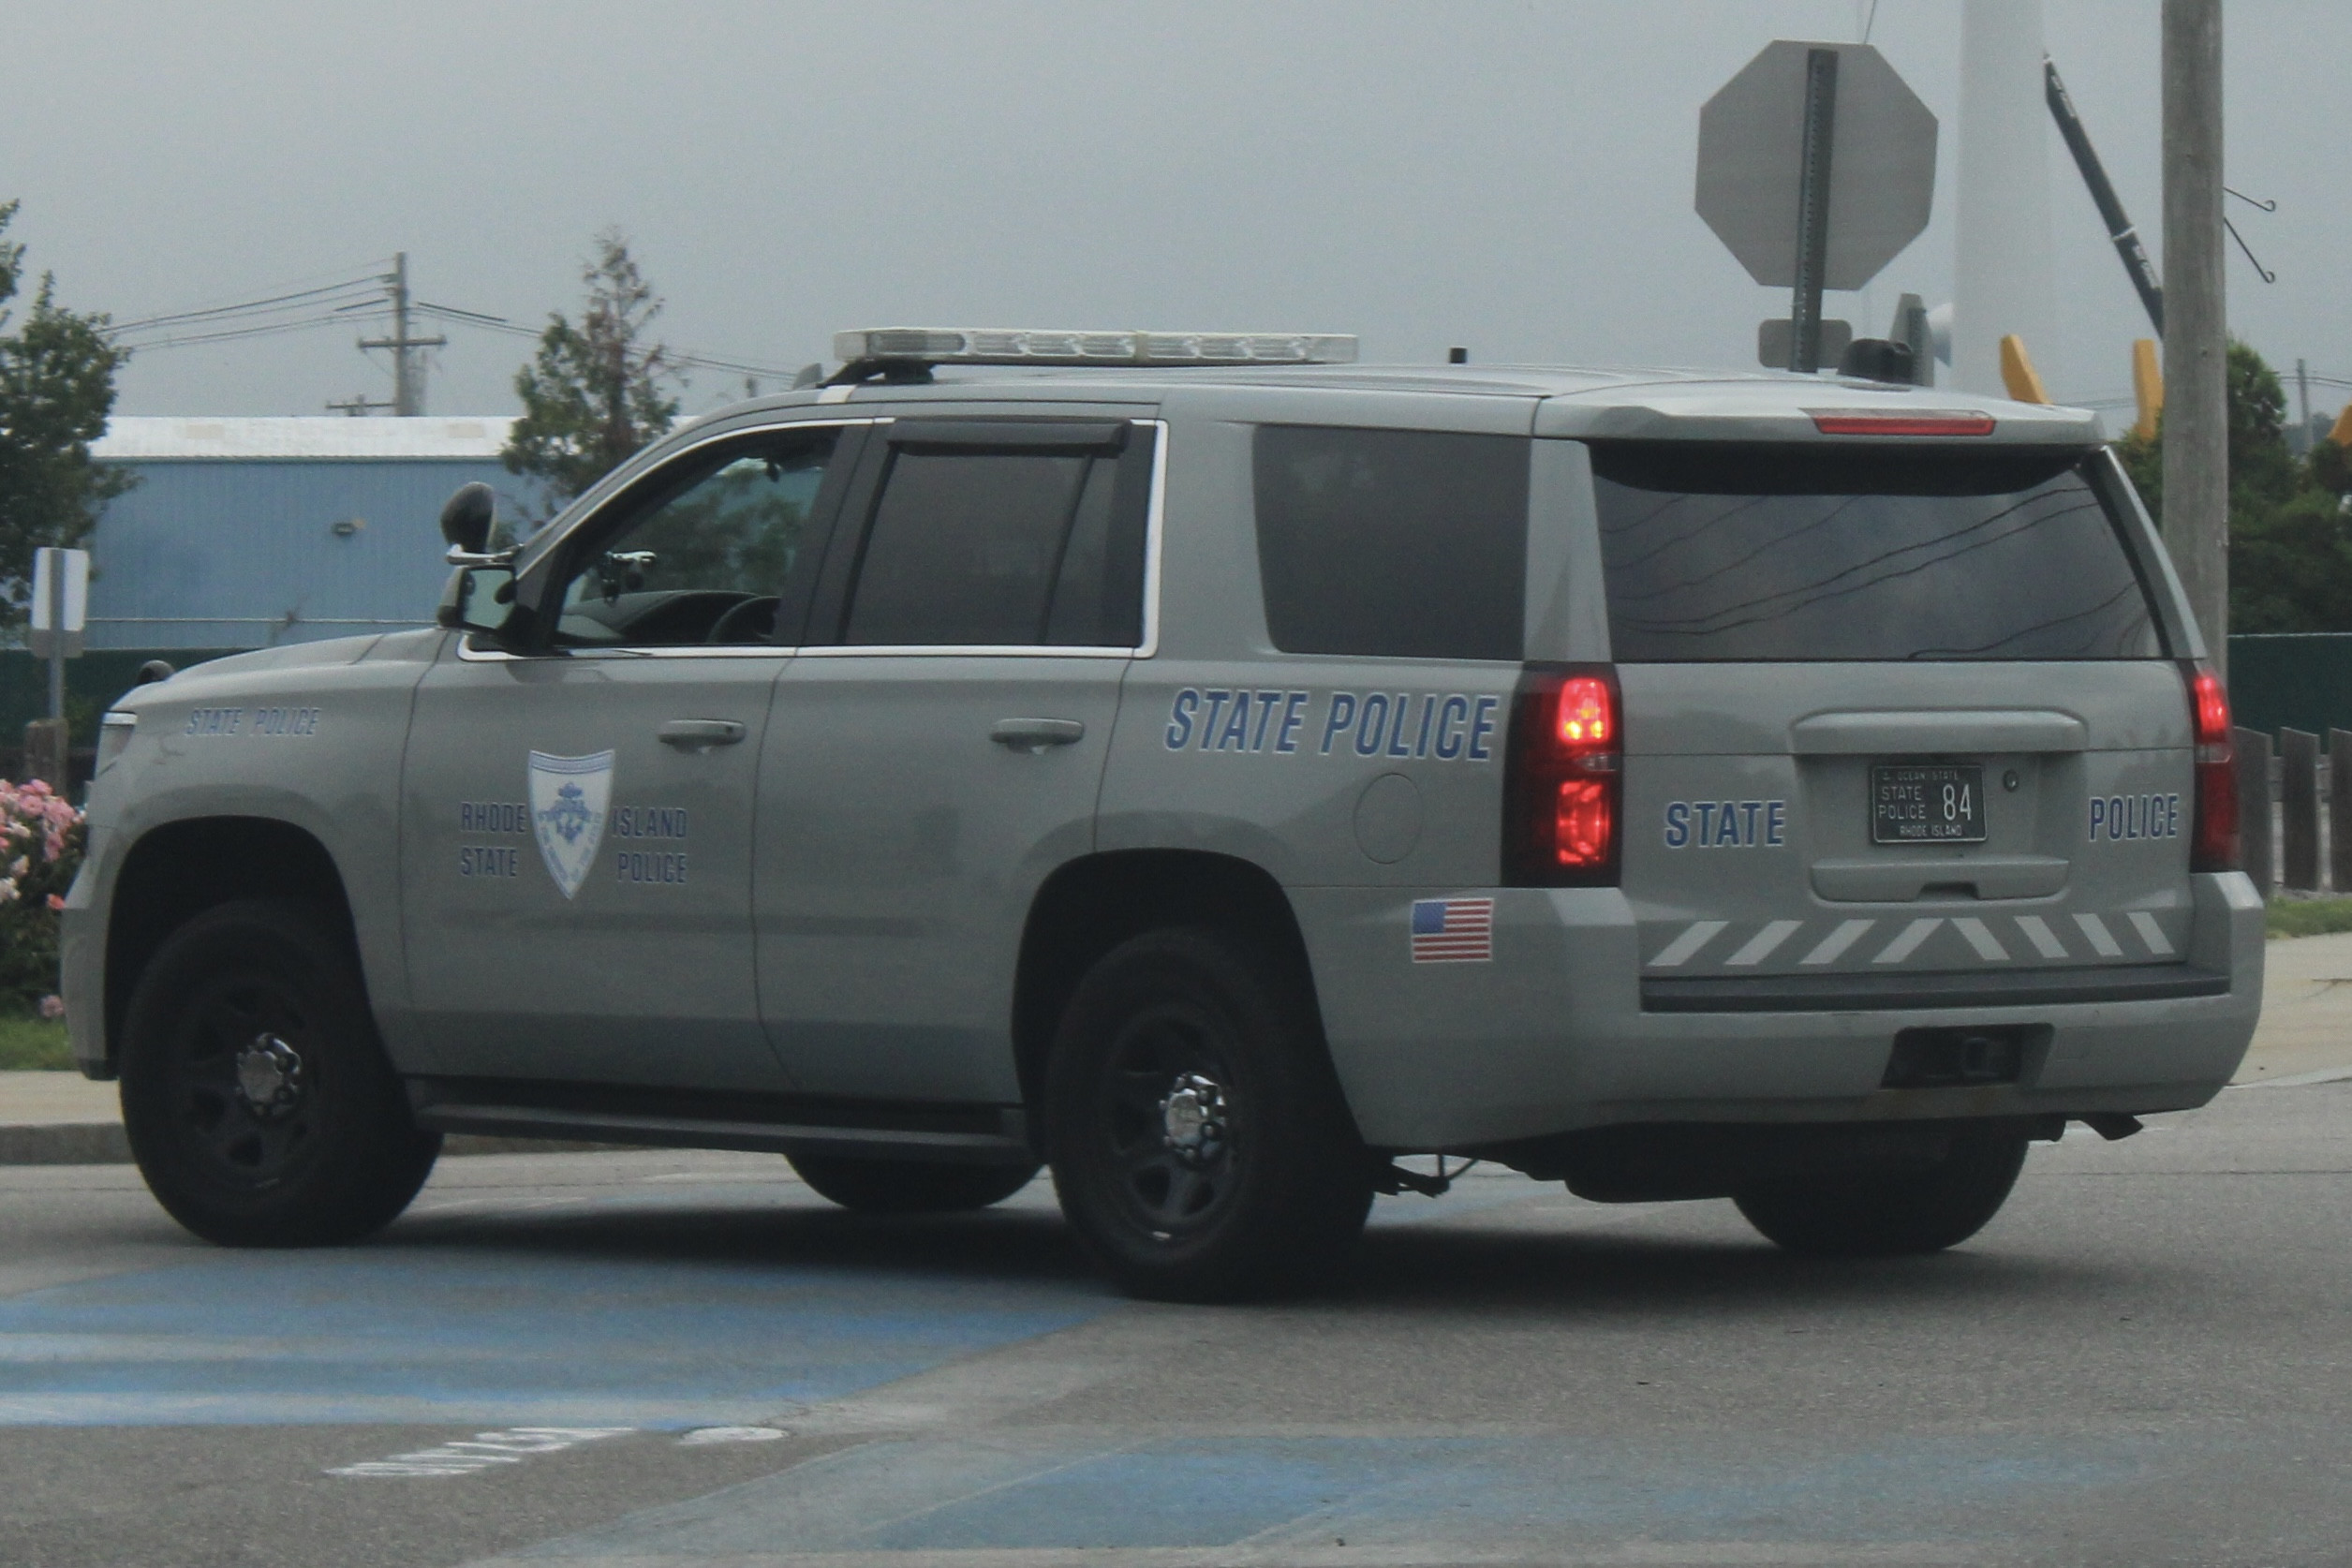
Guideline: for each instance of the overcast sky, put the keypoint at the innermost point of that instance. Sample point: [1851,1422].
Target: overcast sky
[1511,175]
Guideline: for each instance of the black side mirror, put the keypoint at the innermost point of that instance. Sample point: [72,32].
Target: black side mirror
[467,517]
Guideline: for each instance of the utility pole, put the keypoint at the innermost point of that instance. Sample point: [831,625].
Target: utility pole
[2196,331]
[2303,390]
[408,370]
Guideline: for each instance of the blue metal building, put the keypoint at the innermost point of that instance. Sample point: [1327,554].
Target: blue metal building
[248,532]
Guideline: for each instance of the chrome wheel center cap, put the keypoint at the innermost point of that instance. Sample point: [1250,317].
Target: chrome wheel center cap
[269,1073]
[1192,1116]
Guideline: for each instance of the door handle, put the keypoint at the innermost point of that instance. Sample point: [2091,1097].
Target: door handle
[1034,735]
[701,734]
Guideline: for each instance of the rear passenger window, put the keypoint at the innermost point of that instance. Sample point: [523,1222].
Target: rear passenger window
[1758,552]
[1020,547]
[1392,543]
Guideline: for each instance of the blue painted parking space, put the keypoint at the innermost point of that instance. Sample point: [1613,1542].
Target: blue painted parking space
[427,1333]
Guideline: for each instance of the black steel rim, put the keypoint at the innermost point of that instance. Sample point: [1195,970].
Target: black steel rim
[1172,1187]
[242,1079]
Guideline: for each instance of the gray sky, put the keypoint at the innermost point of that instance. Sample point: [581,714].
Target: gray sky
[1511,175]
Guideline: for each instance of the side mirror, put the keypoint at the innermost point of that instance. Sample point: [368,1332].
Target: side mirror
[478,599]
[467,517]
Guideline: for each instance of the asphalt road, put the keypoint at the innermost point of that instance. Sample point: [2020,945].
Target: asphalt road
[689,1361]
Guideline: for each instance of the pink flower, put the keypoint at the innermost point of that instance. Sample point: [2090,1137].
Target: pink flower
[53,1007]
[55,904]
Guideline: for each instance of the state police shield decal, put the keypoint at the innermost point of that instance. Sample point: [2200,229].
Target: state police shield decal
[569,798]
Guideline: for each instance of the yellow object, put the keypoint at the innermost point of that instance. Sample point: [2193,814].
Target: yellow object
[2342,434]
[2147,388]
[2018,373]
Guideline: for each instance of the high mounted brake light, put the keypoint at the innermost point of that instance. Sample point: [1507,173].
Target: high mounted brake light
[1036,345]
[2213,838]
[1564,790]
[1918,421]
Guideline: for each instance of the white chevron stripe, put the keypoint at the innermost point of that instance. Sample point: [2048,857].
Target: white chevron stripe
[1908,944]
[1987,946]
[1680,949]
[1832,947]
[1759,947]
[2044,941]
[2105,945]
[2152,933]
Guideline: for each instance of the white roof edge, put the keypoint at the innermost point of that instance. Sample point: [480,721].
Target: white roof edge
[150,439]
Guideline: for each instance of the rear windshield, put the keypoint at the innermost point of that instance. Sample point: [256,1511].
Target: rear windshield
[1754,553]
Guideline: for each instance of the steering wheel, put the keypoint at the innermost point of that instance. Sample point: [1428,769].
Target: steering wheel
[747,621]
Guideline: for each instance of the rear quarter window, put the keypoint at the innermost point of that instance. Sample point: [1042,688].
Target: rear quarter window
[1392,543]
[1773,553]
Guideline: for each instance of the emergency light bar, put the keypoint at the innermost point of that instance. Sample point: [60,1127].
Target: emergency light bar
[1023,346]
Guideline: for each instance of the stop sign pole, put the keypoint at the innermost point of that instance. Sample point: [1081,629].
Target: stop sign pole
[1812,209]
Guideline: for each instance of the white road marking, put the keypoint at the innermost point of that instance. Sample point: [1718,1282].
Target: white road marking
[2152,933]
[2044,941]
[1759,947]
[511,1445]
[1908,944]
[1682,947]
[1987,946]
[704,1436]
[1832,947]
[2103,944]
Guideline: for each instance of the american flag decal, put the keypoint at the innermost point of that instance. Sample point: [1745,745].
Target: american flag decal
[1453,930]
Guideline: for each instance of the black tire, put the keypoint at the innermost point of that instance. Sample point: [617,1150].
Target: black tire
[1200,1145]
[256,1094]
[909,1186]
[1877,1215]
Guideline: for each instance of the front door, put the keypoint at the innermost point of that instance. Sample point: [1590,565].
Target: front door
[932,765]
[578,811]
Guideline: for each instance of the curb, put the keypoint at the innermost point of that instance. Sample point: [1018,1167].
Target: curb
[103,1143]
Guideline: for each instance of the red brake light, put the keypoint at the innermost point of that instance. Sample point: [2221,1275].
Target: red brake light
[2213,841]
[1923,421]
[1563,794]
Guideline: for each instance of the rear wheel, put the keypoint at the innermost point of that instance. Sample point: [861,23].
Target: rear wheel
[1864,1215]
[1199,1146]
[909,1186]
[256,1096]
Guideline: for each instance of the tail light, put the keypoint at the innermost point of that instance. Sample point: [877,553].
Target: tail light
[1563,799]
[2213,844]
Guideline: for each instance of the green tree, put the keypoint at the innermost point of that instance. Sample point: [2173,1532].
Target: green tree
[598,392]
[2290,542]
[56,390]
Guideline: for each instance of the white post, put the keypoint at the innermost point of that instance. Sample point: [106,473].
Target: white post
[2003,272]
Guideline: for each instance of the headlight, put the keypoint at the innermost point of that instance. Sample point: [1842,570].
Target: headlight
[114,734]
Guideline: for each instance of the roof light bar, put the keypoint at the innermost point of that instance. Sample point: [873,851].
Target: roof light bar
[1026,346]
[1913,422]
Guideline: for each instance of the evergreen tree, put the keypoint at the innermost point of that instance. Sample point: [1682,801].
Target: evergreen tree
[598,392]
[56,390]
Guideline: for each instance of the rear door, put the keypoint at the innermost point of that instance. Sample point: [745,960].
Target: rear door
[1900,725]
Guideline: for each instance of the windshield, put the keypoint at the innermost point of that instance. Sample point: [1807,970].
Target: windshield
[1769,553]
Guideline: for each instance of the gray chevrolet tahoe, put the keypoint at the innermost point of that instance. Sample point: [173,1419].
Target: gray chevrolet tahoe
[1222,776]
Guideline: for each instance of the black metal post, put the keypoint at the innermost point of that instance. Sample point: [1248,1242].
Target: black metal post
[1812,209]
[2119,226]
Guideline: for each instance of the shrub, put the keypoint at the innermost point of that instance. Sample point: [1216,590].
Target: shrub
[40,849]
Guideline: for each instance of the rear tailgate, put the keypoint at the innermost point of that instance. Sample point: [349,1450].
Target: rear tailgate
[1900,729]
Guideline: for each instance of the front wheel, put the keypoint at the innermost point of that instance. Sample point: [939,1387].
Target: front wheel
[256,1095]
[1866,1216]
[909,1186]
[1199,1143]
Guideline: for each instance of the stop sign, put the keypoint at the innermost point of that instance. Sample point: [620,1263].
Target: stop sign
[1882,164]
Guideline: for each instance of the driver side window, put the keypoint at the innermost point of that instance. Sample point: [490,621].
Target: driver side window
[703,551]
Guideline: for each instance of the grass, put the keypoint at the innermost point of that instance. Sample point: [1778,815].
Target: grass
[2308,917]
[33,1042]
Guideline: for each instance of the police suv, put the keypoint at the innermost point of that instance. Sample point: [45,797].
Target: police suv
[1220,773]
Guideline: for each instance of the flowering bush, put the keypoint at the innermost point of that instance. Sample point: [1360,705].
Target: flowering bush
[40,849]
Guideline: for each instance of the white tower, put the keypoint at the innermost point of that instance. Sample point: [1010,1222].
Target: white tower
[2002,275]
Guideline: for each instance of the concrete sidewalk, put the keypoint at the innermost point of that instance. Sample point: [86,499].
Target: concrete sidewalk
[61,1118]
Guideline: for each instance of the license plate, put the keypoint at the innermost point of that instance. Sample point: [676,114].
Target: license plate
[1930,803]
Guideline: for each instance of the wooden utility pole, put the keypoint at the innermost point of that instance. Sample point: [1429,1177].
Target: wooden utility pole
[2196,329]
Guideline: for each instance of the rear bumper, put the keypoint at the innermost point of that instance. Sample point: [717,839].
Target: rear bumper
[1559,1032]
